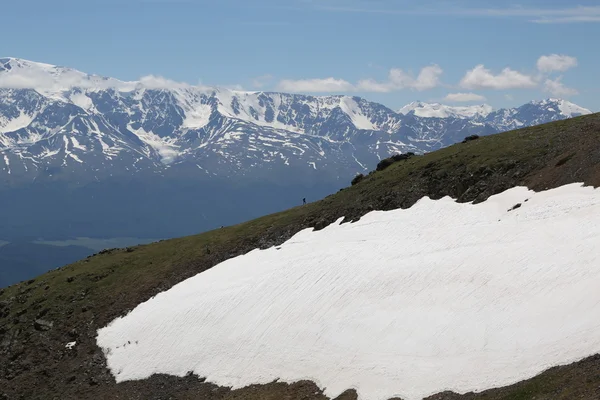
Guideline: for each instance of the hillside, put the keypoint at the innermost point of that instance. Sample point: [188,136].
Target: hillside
[37,318]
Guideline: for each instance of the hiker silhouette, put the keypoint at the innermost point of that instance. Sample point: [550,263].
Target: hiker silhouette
[304,200]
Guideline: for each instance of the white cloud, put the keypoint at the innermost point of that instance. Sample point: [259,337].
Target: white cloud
[464,97]
[483,78]
[557,88]
[261,81]
[428,78]
[25,74]
[371,85]
[550,15]
[158,82]
[57,80]
[556,62]
[325,85]
[567,20]
[398,79]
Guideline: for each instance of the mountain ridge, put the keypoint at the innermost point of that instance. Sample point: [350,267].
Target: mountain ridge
[59,122]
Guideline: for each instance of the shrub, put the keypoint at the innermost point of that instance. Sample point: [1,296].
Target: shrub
[383,164]
[471,137]
[357,178]
[386,162]
[404,156]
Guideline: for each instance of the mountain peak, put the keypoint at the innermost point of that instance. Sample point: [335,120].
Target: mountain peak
[51,79]
[13,64]
[566,108]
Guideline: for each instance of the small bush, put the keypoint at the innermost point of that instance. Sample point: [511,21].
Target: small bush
[357,178]
[383,164]
[386,162]
[471,137]
[404,156]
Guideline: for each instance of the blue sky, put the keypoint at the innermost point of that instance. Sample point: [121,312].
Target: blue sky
[391,51]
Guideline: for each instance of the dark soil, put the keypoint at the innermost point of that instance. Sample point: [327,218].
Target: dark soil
[39,317]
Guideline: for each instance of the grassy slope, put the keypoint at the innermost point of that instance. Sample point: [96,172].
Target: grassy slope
[82,297]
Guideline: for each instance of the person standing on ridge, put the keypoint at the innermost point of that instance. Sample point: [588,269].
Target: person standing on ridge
[304,200]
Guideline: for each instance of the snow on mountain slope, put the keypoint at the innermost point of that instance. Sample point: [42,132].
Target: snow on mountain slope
[436,110]
[52,80]
[358,118]
[567,108]
[492,296]
[158,126]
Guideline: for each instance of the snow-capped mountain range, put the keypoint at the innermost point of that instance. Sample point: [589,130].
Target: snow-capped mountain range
[59,122]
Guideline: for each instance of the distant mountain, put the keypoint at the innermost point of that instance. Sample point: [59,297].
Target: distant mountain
[61,123]
[85,155]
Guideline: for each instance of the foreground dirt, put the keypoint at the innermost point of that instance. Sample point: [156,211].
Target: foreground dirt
[38,318]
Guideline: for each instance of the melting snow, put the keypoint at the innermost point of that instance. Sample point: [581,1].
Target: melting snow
[351,108]
[441,296]
[569,109]
[82,101]
[436,110]
[12,125]
[74,157]
[76,144]
[7,162]
[167,151]
[197,117]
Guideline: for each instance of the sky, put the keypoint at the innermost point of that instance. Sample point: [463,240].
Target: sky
[390,51]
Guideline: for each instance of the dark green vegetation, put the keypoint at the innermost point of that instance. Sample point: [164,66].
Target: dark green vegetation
[470,137]
[38,317]
[386,162]
[358,178]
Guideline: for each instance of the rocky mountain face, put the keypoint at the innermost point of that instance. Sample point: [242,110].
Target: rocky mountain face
[85,155]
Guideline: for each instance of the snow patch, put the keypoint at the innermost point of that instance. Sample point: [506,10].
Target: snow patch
[352,109]
[569,109]
[7,163]
[14,124]
[436,110]
[197,117]
[82,101]
[440,296]
[167,150]
[77,145]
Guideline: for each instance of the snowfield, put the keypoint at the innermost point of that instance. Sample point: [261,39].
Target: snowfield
[441,296]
